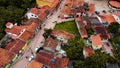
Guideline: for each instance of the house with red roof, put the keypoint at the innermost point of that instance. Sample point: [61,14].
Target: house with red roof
[88,51]
[50,60]
[15,46]
[82,28]
[107,18]
[52,45]
[116,15]
[25,31]
[96,41]
[62,35]
[5,57]
[35,64]
[40,13]
[91,10]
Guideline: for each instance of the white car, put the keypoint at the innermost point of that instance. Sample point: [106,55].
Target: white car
[31,58]
[36,49]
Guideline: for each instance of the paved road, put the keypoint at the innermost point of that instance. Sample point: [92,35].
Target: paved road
[22,61]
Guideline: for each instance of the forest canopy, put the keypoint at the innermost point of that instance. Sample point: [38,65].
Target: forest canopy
[12,11]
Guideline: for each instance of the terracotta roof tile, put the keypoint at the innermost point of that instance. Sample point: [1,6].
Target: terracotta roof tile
[70,6]
[35,64]
[96,40]
[82,29]
[63,34]
[26,35]
[46,57]
[100,29]
[51,43]
[117,13]
[91,9]
[5,57]
[15,46]
[15,29]
[88,51]
[115,3]
[107,17]
[42,12]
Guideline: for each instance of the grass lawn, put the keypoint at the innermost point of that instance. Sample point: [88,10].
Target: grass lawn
[69,26]
[74,50]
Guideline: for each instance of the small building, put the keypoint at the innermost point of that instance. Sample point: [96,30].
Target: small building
[25,31]
[62,35]
[107,18]
[82,29]
[52,45]
[116,15]
[35,64]
[87,52]
[96,41]
[91,10]
[15,46]
[100,29]
[41,13]
[51,61]
[5,57]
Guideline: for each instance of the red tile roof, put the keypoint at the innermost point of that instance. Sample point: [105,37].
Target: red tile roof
[42,12]
[100,29]
[15,29]
[51,43]
[117,13]
[15,46]
[28,27]
[91,9]
[26,35]
[74,3]
[5,57]
[96,40]
[70,5]
[35,64]
[45,58]
[62,33]
[32,24]
[107,17]
[88,51]
[82,29]
[115,3]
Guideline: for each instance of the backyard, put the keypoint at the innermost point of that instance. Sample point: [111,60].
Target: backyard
[74,49]
[69,26]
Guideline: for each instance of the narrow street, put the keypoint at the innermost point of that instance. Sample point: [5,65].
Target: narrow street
[22,61]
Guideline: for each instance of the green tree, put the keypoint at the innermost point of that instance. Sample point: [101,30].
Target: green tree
[12,11]
[114,27]
[74,50]
[97,60]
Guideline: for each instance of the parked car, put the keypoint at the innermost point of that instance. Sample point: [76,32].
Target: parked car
[31,58]
[37,49]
